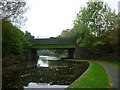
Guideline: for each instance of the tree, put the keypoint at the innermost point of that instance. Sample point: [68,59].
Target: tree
[28,36]
[93,23]
[67,33]
[13,12]
[113,38]
[13,40]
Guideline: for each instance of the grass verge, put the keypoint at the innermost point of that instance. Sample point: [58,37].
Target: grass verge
[113,63]
[94,77]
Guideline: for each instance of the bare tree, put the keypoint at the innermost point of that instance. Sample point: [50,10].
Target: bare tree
[13,12]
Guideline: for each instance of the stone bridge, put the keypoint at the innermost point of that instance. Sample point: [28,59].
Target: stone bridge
[68,43]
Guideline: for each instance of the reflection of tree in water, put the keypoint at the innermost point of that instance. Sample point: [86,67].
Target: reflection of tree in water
[63,74]
[70,68]
[56,63]
[59,75]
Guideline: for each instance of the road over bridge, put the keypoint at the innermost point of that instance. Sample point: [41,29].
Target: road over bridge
[68,43]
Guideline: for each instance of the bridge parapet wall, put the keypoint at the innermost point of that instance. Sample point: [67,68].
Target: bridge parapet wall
[55,41]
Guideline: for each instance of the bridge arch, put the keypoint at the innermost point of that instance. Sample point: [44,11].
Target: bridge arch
[68,43]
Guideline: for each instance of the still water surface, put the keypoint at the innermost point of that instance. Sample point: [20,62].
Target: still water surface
[47,61]
[52,72]
[44,61]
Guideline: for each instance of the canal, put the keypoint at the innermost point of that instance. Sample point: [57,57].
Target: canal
[47,72]
[52,72]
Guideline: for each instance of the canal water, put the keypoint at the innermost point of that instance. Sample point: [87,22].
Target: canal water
[53,72]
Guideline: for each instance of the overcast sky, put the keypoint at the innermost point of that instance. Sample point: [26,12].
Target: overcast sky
[47,18]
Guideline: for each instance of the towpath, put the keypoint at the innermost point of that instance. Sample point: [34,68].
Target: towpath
[114,73]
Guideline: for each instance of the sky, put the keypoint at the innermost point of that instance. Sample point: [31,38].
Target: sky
[48,18]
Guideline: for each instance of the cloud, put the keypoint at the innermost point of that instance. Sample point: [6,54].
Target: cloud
[49,17]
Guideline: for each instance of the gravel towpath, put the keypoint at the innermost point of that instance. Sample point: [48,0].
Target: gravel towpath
[114,73]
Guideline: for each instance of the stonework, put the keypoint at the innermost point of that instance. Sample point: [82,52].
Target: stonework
[57,41]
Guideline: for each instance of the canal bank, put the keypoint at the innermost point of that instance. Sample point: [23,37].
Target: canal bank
[94,77]
[113,73]
[54,72]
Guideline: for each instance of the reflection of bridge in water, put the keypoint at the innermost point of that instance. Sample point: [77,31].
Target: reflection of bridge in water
[44,61]
[68,43]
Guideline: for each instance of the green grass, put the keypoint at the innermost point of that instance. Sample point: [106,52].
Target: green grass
[52,46]
[114,63]
[94,77]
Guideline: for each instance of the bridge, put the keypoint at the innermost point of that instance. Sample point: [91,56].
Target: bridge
[68,43]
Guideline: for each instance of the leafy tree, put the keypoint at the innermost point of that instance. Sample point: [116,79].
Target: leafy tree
[13,40]
[67,33]
[113,38]
[93,23]
[13,12]
[28,36]
[58,52]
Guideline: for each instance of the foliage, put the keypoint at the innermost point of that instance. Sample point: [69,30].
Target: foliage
[58,52]
[28,36]
[95,25]
[67,33]
[13,40]
[13,11]
[114,63]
